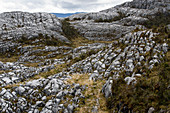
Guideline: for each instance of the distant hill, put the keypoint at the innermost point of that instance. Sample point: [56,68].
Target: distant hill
[66,14]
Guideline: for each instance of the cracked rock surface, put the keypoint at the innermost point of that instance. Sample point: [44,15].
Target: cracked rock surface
[39,78]
[16,25]
[51,94]
[114,22]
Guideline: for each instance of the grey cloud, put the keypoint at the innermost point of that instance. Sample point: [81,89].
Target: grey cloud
[58,6]
[30,4]
[85,5]
[33,3]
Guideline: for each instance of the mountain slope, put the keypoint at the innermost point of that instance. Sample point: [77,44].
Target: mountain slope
[48,65]
[16,25]
[119,20]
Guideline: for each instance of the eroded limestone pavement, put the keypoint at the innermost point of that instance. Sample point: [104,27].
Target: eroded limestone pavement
[35,79]
[45,94]
[51,94]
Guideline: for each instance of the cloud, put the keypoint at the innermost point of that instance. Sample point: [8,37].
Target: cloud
[57,6]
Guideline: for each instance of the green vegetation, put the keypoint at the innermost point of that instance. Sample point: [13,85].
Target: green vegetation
[68,30]
[92,93]
[157,20]
[149,91]
[83,56]
[116,18]
[80,41]
[42,39]
[10,55]
[164,33]
[158,24]
[152,89]
[76,19]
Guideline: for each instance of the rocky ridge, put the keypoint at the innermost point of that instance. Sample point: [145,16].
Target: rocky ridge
[127,55]
[16,25]
[114,22]
[35,77]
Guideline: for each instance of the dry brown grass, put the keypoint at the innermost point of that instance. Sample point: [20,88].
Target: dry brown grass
[4,71]
[13,85]
[168,55]
[31,64]
[81,40]
[92,93]
[11,59]
[51,72]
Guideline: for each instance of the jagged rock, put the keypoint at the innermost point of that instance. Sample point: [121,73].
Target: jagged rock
[130,79]
[70,108]
[148,4]
[94,75]
[107,88]
[33,83]
[142,58]
[60,95]
[36,111]
[132,13]
[165,47]
[95,109]
[77,86]
[20,90]
[151,109]
[130,61]
[44,98]
[53,93]
[30,25]
[40,104]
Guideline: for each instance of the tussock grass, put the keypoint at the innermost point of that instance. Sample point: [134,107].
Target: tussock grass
[92,93]
[80,41]
[150,90]
[51,72]
[31,64]
[8,59]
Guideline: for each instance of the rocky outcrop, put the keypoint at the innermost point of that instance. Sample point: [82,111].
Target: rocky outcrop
[139,49]
[16,25]
[37,94]
[159,5]
[113,22]
[101,31]
[128,56]
[35,77]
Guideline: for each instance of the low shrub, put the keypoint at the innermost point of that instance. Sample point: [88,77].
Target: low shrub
[69,31]
[157,20]
[149,91]
[76,18]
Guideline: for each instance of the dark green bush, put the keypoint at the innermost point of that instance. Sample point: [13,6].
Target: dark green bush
[70,57]
[68,30]
[51,43]
[44,39]
[157,20]
[23,39]
[77,59]
[67,19]
[76,18]
[149,91]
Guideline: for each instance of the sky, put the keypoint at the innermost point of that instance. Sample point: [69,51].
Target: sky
[57,6]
